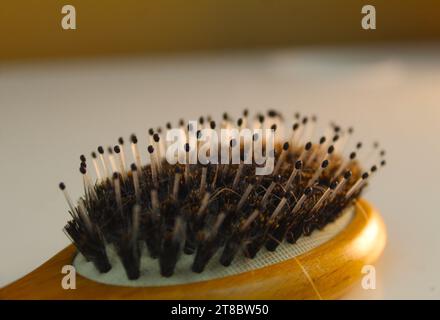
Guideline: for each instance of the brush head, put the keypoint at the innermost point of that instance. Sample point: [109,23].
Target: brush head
[205,209]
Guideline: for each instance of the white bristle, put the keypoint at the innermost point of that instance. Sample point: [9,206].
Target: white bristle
[136,154]
[321,200]
[318,173]
[155,200]
[267,193]
[112,162]
[299,204]
[135,222]
[249,220]
[176,185]
[122,160]
[137,190]
[278,209]
[203,180]
[88,187]
[104,166]
[97,171]
[118,196]
[84,216]
[218,222]
[296,170]
[237,176]
[244,197]
[204,204]
[359,183]
[69,201]
[153,167]
[280,161]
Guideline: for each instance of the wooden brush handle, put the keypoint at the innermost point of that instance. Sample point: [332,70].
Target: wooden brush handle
[324,272]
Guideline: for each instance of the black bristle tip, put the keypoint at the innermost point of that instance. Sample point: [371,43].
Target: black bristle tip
[133,139]
[286,146]
[305,120]
[151,131]
[365,175]
[82,170]
[82,158]
[156,137]
[101,150]
[93,154]
[298,164]
[62,186]
[133,167]
[150,149]
[295,126]
[121,141]
[117,149]
[272,113]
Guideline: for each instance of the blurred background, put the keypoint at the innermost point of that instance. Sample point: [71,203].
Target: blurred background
[132,65]
[31,29]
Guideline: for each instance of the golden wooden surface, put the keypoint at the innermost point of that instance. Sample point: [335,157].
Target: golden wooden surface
[325,272]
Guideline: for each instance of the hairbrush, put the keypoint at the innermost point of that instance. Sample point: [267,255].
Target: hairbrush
[151,228]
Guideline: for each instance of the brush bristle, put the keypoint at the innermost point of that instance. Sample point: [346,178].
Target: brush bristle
[214,208]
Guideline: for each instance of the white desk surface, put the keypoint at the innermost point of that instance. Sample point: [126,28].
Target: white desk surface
[50,113]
